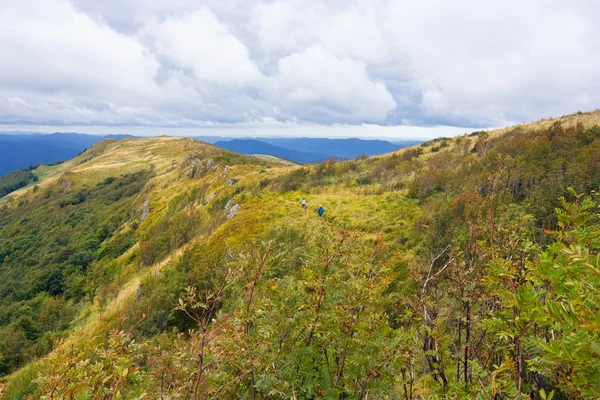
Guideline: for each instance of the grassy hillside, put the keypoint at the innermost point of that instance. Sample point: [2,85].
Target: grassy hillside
[588,119]
[169,268]
[22,149]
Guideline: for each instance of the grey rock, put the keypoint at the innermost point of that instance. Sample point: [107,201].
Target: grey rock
[146,210]
[64,181]
[233,211]
[195,168]
[224,173]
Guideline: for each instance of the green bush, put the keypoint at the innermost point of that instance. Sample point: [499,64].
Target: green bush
[16,180]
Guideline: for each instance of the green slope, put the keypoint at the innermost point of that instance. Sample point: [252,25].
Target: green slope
[168,268]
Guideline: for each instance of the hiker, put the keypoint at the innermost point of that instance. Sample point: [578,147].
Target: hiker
[303,202]
[320,211]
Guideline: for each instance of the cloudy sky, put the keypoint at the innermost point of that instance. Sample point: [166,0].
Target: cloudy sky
[295,67]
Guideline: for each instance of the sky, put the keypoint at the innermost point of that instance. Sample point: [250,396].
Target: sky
[362,68]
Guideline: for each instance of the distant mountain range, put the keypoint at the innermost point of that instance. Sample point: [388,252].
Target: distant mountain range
[310,150]
[340,148]
[21,149]
[252,146]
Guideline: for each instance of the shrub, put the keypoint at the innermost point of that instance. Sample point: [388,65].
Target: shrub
[410,154]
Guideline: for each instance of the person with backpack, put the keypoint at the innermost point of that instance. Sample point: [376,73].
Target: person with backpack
[320,211]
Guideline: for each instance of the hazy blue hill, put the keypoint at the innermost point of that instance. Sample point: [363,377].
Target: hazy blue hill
[252,146]
[339,148]
[309,150]
[407,143]
[214,139]
[19,150]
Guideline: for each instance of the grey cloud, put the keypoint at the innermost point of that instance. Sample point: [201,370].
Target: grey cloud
[190,63]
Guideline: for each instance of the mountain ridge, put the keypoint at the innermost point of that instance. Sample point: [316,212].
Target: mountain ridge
[252,146]
[148,252]
[19,150]
[24,149]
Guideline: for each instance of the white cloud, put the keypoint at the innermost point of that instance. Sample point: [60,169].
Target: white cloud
[315,85]
[355,32]
[351,30]
[63,66]
[497,61]
[49,47]
[200,43]
[287,25]
[198,62]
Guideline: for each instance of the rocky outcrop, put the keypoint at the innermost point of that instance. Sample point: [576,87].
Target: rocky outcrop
[64,181]
[195,168]
[232,209]
[224,173]
[146,210]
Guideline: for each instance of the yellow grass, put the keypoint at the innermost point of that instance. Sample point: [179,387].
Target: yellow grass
[590,118]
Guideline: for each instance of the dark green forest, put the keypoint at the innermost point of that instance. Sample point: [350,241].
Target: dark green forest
[49,246]
[16,180]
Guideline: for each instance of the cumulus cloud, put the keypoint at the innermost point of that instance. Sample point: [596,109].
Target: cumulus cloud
[498,61]
[317,86]
[56,48]
[58,62]
[195,63]
[349,30]
[198,42]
